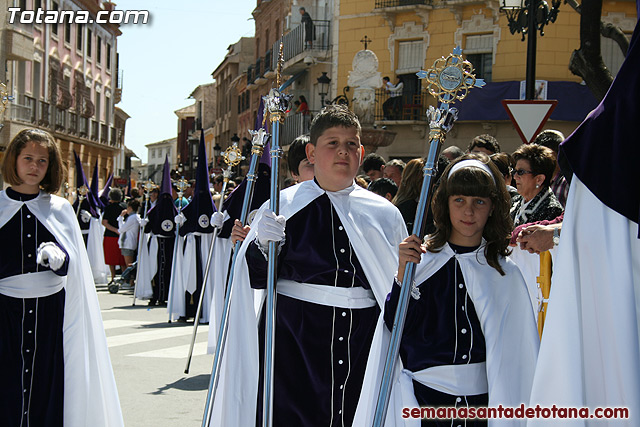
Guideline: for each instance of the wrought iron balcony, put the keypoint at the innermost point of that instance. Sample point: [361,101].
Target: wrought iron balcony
[294,41]
[408,107]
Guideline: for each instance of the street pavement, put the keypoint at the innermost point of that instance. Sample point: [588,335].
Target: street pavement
[148,356]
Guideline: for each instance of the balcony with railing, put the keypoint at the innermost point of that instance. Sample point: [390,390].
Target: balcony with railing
[113,139]
[73,123]
[104,133]
[251,76]
[94,130]
[297,44]
[60,119]
[408,107]
[269,70]
[83,129]
[20,113]
[381,4]
[294,125]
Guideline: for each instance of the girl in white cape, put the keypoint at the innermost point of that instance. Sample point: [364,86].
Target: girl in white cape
[470,338]
[56,369]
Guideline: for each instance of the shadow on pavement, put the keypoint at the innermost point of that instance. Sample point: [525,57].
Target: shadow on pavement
[199,382]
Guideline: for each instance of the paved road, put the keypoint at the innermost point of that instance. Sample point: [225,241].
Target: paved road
[148,356]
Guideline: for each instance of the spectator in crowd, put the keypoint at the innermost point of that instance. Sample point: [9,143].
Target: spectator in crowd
[373,166]
[384,187]
[406,199]
[129,229]
[484,143]
[112,255]
[504,162]
[535,165]
[299,166]
[303,107]
[393,170]
[307,22]
[452,153]
[551,139]
[392,107]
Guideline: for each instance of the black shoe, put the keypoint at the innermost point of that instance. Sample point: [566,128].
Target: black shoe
[152,302]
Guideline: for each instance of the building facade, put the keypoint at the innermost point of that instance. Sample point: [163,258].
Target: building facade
[156,154]
[409,35]
[64,79]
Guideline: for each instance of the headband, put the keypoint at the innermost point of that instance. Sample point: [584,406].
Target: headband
[471,163]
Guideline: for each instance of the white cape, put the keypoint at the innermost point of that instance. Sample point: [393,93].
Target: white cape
[145,266]
[218,272]
[90,394]
[375,229]
[503,307]
[183,275]
[590,354]
[95,251]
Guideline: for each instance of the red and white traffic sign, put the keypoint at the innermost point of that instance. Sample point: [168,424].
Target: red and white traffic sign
[529,116]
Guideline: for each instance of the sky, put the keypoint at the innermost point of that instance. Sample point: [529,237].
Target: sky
[163,61]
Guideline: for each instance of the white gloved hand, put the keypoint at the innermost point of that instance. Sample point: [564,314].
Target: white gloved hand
[50,255]
[217,219]
[270,228]
[180,219]
[143,222]
[85,215]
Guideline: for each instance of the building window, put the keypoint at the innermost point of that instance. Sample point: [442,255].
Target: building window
[54,27]
[153,153]
[98,49]
[479,51]
[89,43]
[67,32]
[410,56]
[108,56]
[79,34]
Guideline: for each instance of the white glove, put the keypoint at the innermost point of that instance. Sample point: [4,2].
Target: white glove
[143,222]
[217,219]
[50,255]
[85,216]
[180,219]
[270,228]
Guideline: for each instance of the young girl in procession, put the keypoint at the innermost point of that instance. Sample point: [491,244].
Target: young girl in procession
[470,337]
[53,350]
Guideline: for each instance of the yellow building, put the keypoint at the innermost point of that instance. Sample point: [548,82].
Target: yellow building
[409,35]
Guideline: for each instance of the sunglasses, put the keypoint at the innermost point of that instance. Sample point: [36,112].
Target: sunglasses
[521,172]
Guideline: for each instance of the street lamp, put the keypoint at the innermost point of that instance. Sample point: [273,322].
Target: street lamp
[323,85]
[528,17]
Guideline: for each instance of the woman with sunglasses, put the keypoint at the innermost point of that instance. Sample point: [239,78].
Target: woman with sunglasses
[534,170]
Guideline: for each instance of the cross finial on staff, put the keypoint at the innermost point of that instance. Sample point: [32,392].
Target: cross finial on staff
[366,40]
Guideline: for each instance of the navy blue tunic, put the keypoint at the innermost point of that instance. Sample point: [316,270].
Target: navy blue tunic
[31,350]
[441,328]
[321,351]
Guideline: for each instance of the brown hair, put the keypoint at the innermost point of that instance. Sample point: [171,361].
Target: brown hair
[540,158]
[330,117]
[53,178]
[474,182]
[411,183]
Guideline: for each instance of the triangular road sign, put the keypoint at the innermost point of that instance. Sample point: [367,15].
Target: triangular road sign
[529,117]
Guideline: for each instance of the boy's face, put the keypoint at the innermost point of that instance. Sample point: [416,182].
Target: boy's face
[336,157]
